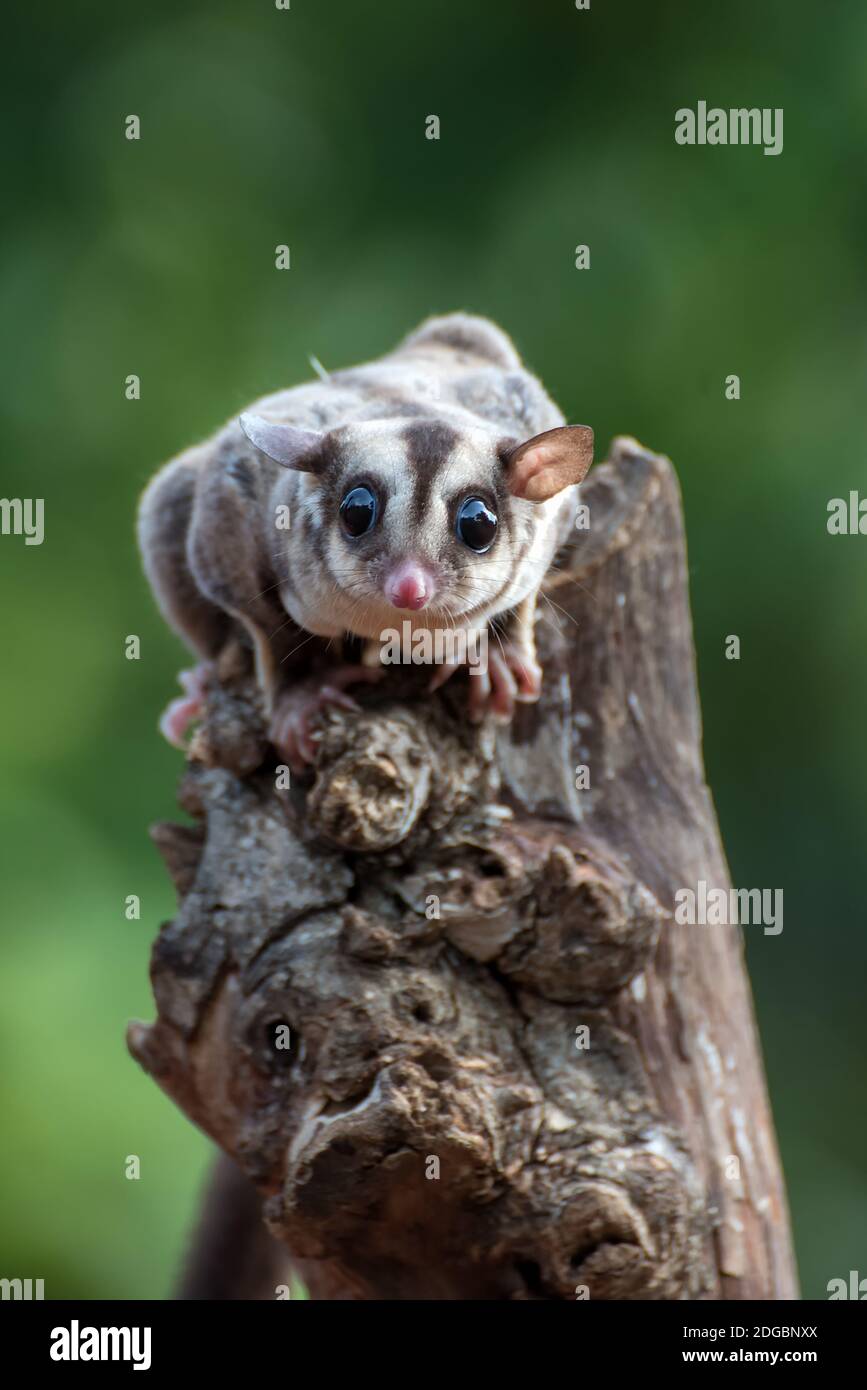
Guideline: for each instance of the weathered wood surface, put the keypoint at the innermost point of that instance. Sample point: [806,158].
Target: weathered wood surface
[417,1037]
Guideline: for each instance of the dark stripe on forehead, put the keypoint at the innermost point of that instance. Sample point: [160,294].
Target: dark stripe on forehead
[429,445]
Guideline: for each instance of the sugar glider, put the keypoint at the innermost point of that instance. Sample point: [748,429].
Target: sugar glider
[432,486]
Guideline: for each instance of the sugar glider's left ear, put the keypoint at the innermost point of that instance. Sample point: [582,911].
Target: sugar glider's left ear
[542,466]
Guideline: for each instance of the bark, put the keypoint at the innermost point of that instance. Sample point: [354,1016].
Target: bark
[435,919]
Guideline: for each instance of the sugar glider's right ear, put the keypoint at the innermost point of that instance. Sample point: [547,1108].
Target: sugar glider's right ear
[285,444]
[549,462]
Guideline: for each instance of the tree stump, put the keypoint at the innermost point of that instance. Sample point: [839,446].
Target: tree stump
[511,1075]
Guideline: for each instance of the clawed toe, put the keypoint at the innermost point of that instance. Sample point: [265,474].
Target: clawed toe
[293,727]
[512,677]
[177,717]
[528,677]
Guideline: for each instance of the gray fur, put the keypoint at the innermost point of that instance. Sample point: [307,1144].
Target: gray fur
[425,425]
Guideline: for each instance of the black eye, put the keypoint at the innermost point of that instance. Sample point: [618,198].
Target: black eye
[476,524]
[358,511]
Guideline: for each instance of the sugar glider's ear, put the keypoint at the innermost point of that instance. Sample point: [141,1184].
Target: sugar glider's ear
[286,444]
[542,466]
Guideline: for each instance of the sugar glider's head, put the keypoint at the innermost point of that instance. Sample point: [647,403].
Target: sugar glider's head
[423,517]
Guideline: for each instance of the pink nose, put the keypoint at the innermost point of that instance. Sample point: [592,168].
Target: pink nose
[409,586]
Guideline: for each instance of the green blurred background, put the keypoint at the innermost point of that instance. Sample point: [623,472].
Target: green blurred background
[306,127]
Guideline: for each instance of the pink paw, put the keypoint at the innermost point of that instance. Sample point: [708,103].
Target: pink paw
[293,730]
[181,713]
[513,676]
